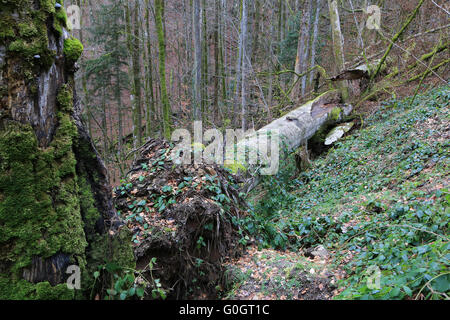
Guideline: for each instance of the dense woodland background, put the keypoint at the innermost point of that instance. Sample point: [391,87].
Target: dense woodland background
[229,63]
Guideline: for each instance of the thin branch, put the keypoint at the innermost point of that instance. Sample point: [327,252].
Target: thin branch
[440,7]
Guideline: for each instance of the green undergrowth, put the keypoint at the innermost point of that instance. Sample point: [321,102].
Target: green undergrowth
[378,200]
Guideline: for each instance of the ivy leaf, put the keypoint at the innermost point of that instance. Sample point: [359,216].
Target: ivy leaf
[442,283]
[140,292]
[111,292]
[395,292]
[407,290]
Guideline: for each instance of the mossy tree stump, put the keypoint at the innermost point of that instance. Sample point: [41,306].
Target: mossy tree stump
[55,198]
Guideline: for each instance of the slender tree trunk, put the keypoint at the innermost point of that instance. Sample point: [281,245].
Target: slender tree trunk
[104,126]
[244,68]
[239,62]
[222,50]
[83,74]
[118,97]
[300,62]
[280,20]
[223,46]
[137,111]
[256,32]
[151,109]
[205,99]
[129,39]
[314,40]
[338,44]
[167,119]
[216,59]
[197,60]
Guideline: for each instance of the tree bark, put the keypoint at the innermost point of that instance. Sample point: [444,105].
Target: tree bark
[205,99]
[294,129]
[215,105]
[167,120]
[137,90]
[151,109]
[55,197]
[300,62]
[244,68]
[197,60]
[338,44]
[314,40]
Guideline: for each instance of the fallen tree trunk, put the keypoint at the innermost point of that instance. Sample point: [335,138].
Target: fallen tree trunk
[264,148]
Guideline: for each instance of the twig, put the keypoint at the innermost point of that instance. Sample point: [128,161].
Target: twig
[395,38]
[417,59]
[440,7]
[429,281]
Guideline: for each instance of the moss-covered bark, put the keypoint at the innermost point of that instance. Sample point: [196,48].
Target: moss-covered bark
[55,205]
[166,111]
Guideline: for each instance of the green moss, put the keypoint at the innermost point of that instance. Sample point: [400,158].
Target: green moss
[117,249]
[234,166]
[27,30]
[31,40]
[48,5]
[318,140]
[44,291]
[40,209]
[65,99]
[6,26]
[38,204]
[60,21]
[73,49]
[335,114]
[46,206]
[28,38]
[24,290]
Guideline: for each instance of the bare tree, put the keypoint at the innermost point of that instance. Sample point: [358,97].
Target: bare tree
[302,53]
[197,60]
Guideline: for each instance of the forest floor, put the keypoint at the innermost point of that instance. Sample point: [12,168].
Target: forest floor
[377,200]
[269,274]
